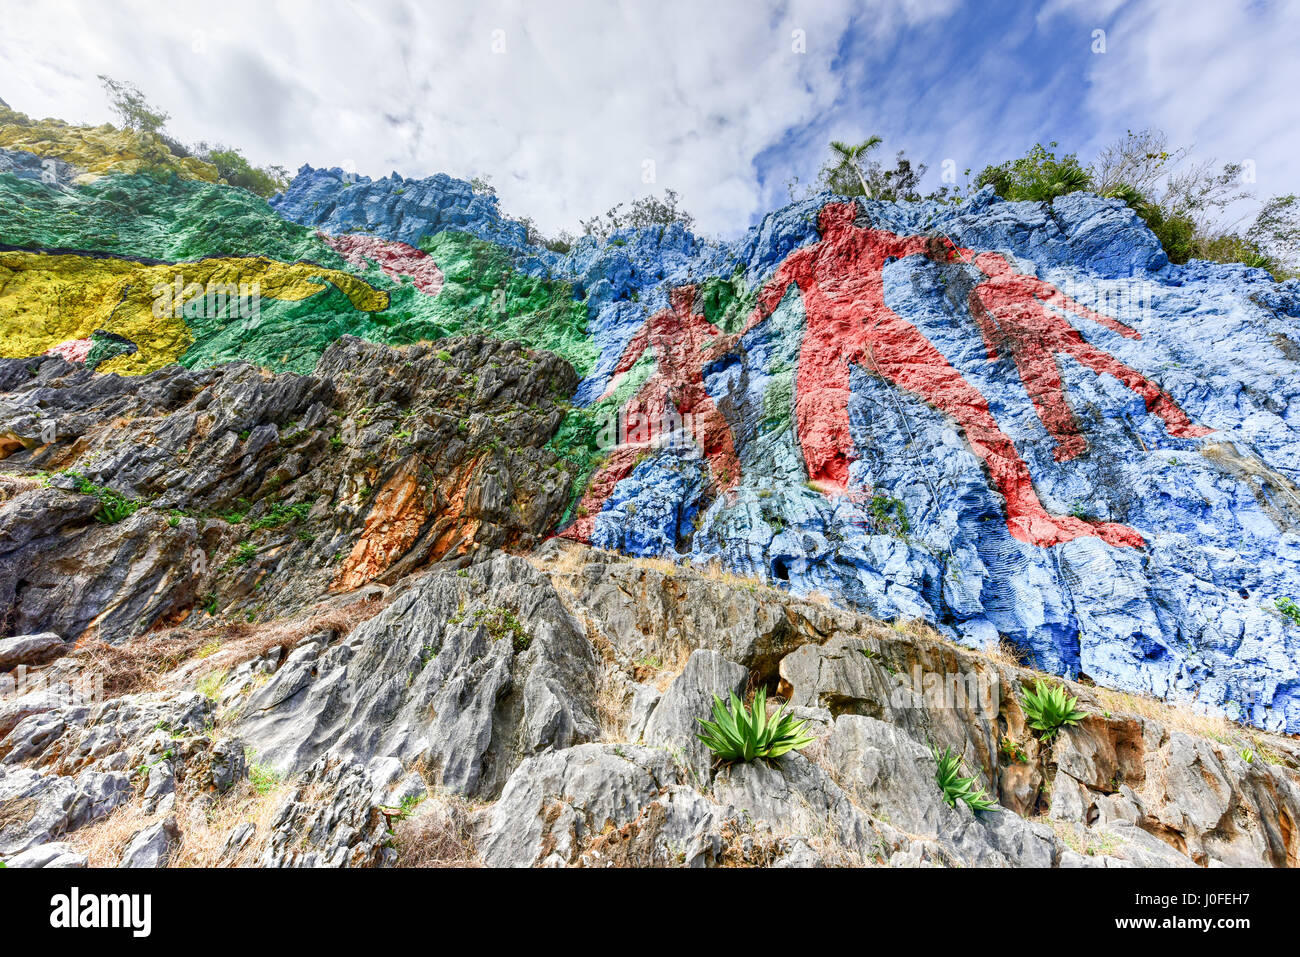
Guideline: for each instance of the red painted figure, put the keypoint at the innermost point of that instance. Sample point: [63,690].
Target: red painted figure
[684,344]
[1011,309]
[842,284]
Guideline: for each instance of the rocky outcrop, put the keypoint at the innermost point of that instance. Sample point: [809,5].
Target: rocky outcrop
[309,548]
[463,674]
[525,686]
[242,490]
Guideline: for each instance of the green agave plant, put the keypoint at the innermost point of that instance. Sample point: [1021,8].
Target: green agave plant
[738,734]
[115,509]
[1048,708]
[955,787]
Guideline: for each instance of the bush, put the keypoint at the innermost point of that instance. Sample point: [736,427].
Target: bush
[1038,176]
[131,107]
[235,170]
[955,787]
[738,734]
[113,507]
[1048,709]
[1288,608]
[639,214]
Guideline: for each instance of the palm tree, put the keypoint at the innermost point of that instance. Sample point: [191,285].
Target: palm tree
[847,158]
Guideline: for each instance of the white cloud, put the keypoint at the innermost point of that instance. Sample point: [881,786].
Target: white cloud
[563,120]
[1222,77]
[585,92]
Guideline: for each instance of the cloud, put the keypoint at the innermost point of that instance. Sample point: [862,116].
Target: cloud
[570,106]
[1220,76]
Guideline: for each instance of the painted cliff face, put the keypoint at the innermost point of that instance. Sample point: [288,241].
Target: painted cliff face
[847,324]
[992,416]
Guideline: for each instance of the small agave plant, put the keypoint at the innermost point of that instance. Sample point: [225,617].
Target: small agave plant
[957,788]
[738,734]
[1048,708]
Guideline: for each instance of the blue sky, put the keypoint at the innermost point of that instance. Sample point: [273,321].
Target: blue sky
[573,106]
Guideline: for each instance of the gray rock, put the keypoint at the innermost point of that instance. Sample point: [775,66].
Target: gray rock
[39,808]
[455,450]
[330,820]
[30,649]
[237,839]
[54,854]
[795,796]
[14,710]
[674,723]
[152,846]
[468,673]
[555,803]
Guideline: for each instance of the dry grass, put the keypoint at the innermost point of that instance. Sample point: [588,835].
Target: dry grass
[11,486]
[243,642]
[205,826]
[571,559]
[142,664]
[820,598]
[1172,716]
[439,834]
[1005,652]
[202,844]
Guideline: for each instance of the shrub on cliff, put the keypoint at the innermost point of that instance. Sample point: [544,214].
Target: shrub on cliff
[1048,709]
[1038,176]
[639,214]
[957,788]
[739,734]
[235,170]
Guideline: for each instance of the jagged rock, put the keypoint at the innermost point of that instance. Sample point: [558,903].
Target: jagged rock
[330,820]
[647,612]
[29,649]
[152,846]
[54,854]
[229,764]
[339,202]
[237,839]
[555,802]
[15,710]
[353,475]
[38,808]
[674,721]
[113,579]
[795,796]
[679,828]
[467,673]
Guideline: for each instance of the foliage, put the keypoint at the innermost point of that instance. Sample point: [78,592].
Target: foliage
[502,623]
[739,734]
[129,103]
[262,777]
[955,787]
[1137,162]
[235,170]
[1048,709]
[888,513]
[1276,233]
[641,213]
[281,514]
[1038,176]
[113,507]
[1288,608]
[843,173]
[899,183]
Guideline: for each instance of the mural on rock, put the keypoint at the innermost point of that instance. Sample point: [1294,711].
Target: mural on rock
[1013,314]
[1018,422]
